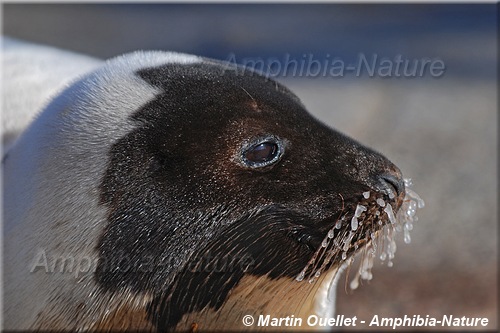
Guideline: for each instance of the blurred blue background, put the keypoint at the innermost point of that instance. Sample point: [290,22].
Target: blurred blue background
[257,30]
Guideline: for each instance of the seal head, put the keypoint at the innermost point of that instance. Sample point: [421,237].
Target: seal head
[202,191]
[225,166]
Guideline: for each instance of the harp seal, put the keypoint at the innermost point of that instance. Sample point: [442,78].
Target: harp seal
[169,191]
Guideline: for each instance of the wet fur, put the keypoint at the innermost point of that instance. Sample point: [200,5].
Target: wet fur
[139,167]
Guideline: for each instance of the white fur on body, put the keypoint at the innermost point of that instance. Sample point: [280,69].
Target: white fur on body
[51,177]
[31,75]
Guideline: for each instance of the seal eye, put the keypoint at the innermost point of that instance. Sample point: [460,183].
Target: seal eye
[262,153]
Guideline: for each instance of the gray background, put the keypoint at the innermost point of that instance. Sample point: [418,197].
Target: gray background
[442,132]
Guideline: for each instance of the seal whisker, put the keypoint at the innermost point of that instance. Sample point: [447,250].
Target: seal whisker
[253,99]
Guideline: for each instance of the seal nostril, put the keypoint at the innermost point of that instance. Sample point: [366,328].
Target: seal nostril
[393,184]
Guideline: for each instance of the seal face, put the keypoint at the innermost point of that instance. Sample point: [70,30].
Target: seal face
[202,191]
[226,166]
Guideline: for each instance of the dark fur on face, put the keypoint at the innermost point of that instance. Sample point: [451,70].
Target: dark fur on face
[180,194]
